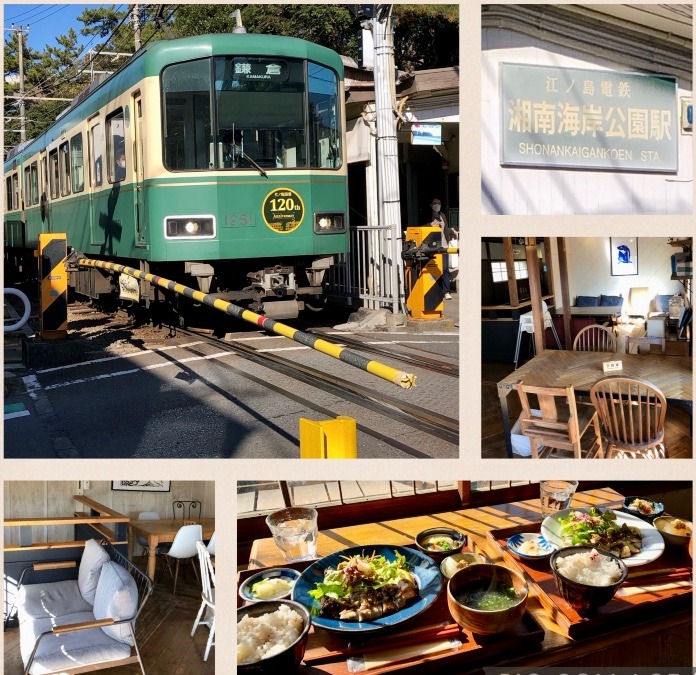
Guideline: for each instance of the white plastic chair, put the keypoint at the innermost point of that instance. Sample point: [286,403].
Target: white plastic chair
[142,541]
[184,546]
[526,325]
[206,613]
[211,545]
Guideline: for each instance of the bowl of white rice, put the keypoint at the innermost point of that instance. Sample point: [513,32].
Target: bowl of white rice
[587,578]
[271,637]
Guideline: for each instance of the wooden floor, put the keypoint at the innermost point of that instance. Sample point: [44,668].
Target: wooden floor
[163,632]
[678,438]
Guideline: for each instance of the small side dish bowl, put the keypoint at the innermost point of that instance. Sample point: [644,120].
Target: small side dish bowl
[590,580]
[453,563]
[675,531]
[272,584]
[283,658]
[439,542]
[530,546]
[487,599]
[647,509]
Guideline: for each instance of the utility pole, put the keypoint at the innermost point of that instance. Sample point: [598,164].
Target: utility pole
[135,20]
[21,33]
[387,147]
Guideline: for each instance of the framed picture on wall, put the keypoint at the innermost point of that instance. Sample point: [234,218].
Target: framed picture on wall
[624,256]
[142,485]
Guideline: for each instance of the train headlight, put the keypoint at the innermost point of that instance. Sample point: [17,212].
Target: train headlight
[189,227]
[329,223]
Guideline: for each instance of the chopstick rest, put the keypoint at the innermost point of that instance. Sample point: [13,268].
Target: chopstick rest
[385,657]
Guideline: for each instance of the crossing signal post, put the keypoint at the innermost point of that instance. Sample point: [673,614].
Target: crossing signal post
[422,255]
[53,276]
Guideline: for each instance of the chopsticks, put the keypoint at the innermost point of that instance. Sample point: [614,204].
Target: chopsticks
[402,639]
[663,575]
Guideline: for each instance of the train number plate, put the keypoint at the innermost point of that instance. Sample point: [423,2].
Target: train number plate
[238,220]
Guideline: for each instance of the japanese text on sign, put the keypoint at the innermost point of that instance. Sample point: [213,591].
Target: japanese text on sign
[588,118]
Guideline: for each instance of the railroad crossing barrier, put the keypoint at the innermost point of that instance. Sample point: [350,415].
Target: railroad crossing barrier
[53,274]
[18,325]
[329,439]
[399,377]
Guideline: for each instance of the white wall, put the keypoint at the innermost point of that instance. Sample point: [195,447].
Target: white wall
[535,191]
[44,499]
[589,269]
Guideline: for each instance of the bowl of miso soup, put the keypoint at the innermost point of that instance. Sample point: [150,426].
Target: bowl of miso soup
[487,599]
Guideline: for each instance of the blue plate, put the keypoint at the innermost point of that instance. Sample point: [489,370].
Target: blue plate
[426,572]
[516,541]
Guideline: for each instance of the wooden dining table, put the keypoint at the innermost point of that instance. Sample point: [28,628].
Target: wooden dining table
[162,532]
[669,635]
[563,368]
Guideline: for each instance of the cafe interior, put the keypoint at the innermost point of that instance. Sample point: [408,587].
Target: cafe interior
[586,347]
[462,542]
[109,574]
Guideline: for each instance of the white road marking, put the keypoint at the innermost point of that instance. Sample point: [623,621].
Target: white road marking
[154,366]
[19,413]
[32,386]
[122,356]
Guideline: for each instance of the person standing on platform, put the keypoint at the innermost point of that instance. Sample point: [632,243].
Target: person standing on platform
[438,219]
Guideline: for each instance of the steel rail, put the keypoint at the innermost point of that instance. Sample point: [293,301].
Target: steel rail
[399,377]
[426,362]
[430,422]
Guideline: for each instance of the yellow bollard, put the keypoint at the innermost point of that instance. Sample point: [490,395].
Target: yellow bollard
[329,439]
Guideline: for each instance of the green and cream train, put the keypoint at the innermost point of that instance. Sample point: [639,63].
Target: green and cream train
[217,161]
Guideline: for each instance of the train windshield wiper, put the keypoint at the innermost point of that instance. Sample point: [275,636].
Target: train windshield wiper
[256,166]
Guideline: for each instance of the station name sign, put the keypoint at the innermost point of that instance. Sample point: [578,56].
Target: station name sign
[246,69]
[588,119]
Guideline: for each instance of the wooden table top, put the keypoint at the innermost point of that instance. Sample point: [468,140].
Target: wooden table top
[557,648]
[475,522]
[562,368]
[169,526]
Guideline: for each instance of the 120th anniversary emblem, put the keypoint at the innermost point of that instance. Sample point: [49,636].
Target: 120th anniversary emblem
[283,210]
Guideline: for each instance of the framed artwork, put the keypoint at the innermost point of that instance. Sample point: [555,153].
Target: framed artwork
[624,256]
[142,485]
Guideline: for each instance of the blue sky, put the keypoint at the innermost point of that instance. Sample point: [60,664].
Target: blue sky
[46,21]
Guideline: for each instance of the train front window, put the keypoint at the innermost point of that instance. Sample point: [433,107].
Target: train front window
[267,113]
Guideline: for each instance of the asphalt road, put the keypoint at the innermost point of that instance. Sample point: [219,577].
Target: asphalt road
[186,400]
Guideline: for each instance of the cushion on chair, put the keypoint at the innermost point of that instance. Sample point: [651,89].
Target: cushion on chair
[587,301]
[662,303]
[60,652]
[93,558]
[116,598]
[610,301]
[38,601]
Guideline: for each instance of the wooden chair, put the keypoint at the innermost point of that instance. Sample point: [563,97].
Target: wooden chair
[595,338]
[632,413]
[644,341]
[560,423]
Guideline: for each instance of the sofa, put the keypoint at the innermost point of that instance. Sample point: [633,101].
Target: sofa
[69,626]
[599,301]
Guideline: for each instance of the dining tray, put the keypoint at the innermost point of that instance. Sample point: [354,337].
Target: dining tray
[475,650]
[630,604]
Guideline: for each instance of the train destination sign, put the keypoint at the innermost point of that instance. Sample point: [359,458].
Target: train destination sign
[283,210]
[260,69]
[588,119]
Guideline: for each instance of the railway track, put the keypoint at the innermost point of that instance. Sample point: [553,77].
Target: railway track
[394,409]
[386,348]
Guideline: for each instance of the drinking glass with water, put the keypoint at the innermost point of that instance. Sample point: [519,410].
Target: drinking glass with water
[556,495]
[294,531]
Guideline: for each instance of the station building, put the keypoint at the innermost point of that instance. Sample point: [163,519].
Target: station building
[586,109]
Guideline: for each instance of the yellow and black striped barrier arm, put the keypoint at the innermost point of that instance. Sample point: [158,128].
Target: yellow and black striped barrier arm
[399,377]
